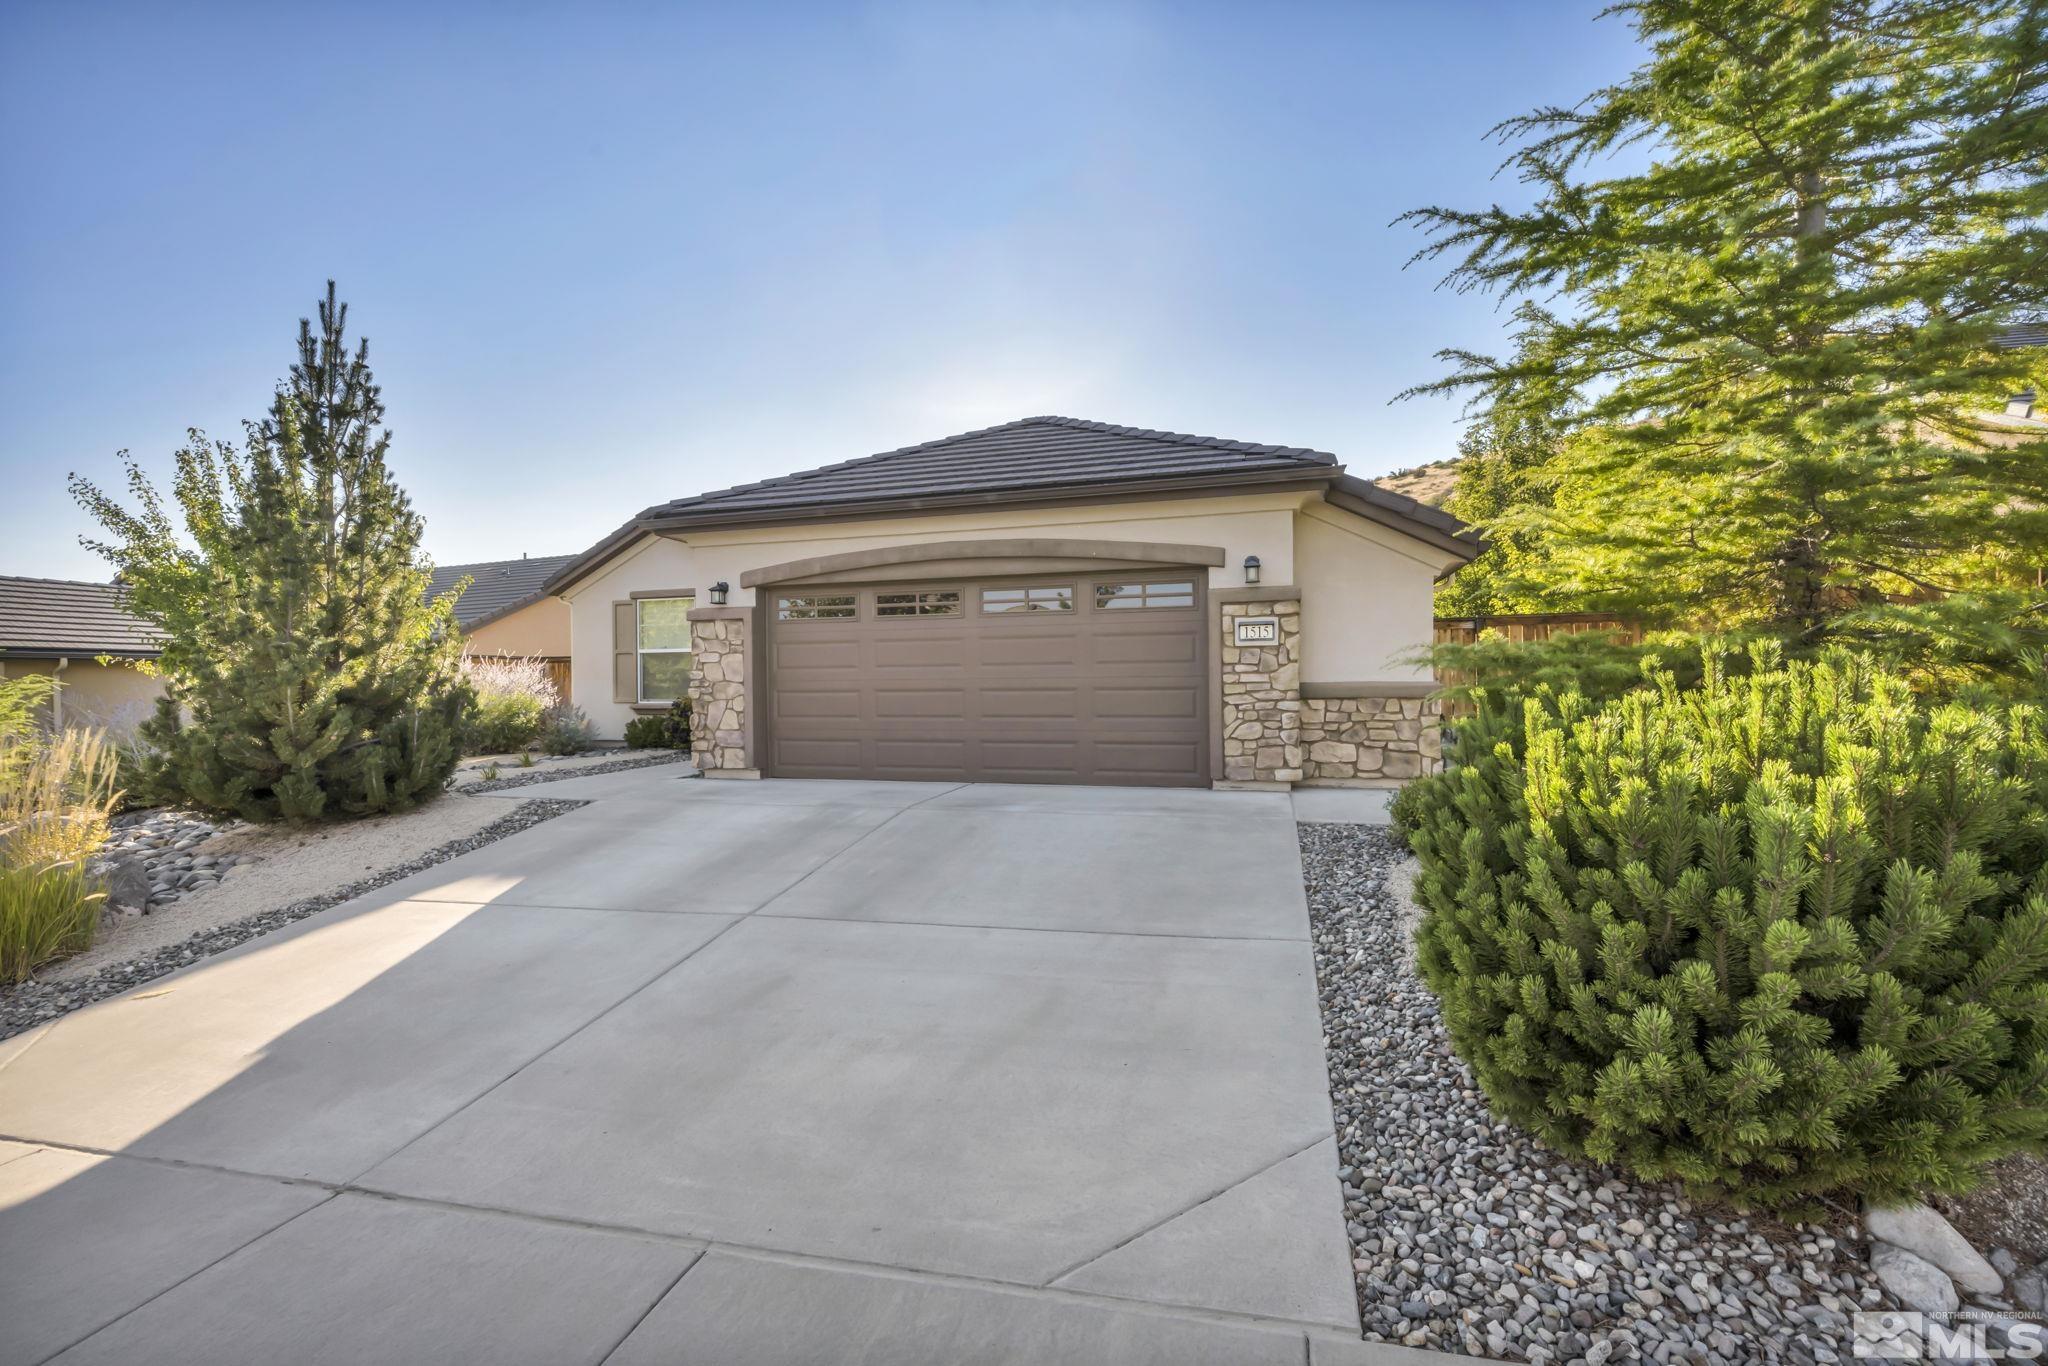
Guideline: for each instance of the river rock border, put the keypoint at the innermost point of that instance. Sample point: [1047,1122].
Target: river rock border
[24,1005]
[1469,1236]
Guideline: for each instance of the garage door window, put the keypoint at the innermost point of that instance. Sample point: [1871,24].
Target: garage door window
[930,602]
[813,607]
[664,648]
[1059,598]
[1141,595]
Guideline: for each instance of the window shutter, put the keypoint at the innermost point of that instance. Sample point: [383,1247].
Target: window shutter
[625,653]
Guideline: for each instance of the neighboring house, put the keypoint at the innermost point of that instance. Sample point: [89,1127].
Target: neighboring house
[1051,600]
[82,634]
[504,611]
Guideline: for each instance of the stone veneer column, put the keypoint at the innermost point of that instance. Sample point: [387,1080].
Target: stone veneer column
[1262,696]
[1368,739]
[721,738]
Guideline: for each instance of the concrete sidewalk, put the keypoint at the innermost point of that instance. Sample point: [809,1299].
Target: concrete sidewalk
[730,1072]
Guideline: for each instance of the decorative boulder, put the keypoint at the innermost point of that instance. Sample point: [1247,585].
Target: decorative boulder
[1914,1281]
[1920,1230]
[127,886]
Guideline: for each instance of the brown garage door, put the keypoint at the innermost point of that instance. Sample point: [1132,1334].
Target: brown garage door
[1094,679]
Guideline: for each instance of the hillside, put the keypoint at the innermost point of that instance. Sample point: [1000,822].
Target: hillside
[1431,483]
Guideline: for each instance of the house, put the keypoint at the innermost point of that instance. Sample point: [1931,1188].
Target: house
[505,612]
[1050,600]
[83,635]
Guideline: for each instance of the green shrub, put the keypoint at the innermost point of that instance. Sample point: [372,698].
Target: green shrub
[56,791]
[670,730]
[566,730]
[501,725]
[46,911]
[1776,936]
[511,697]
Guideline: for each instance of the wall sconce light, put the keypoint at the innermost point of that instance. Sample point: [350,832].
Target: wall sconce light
[719,591]
[1251,569]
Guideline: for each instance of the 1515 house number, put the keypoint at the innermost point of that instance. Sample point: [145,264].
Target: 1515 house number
[1258,630]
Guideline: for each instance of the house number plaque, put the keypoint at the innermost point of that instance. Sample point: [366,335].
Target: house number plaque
[1258,630]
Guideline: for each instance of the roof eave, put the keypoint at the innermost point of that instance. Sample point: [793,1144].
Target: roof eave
[652,523]
[74,652]
[1224,482]
[1429,525]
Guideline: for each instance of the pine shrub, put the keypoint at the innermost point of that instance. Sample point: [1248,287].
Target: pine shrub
[1779,936]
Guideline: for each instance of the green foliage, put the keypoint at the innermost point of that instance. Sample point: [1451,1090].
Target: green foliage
[510,699]
[1503,487]
[56,791]
[1597,664]
[501,723]
[47,910]
[566,730]
[306,675]
[670,730]
[1779,936]
[1758,302]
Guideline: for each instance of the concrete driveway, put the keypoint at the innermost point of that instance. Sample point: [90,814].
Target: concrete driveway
[716,1072]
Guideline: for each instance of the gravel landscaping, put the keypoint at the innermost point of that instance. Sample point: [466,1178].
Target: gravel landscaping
[1469,1236]
[27,1004]
[540,773]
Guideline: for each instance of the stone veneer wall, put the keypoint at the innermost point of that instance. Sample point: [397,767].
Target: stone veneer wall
[1262,697]
[1366,738]
[718,694]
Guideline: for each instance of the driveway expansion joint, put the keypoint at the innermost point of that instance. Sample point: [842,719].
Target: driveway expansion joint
[1187,1209]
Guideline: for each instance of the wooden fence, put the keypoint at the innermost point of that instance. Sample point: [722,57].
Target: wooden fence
[1527,626]
[558,674]
[1522,627]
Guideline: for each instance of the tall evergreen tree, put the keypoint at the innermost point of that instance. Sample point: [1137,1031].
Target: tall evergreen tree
[1772,348]
[307,675]
[1503,474]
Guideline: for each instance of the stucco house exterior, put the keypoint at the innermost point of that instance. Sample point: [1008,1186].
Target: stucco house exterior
[505,611]
[1050,600]
[82,635]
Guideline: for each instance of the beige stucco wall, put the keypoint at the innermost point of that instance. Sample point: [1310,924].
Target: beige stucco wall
[1266,524]
[1366,598]
[116,696]
[540,628]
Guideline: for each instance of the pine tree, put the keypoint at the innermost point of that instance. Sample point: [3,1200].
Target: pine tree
[1780,936]
[1773,347]
[1502,485]
[307,675]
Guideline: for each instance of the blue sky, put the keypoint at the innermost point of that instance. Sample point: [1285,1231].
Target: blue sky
[608,255]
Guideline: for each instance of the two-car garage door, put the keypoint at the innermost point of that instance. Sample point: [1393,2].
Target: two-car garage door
[1068,679]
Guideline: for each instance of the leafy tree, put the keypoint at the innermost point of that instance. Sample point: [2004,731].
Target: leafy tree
[1503,474]
[1771,350]
[306,674]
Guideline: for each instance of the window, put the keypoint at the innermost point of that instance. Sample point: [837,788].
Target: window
[830,607]
[663,630]
[1055,599]
[925,602]
[1114,595]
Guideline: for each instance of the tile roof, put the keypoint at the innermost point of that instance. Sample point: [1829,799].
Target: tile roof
[1033,454]
[2024,334]
[1031,458]
[42,618]
[501,587]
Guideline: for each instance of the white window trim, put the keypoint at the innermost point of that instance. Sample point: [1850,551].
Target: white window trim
[640,674]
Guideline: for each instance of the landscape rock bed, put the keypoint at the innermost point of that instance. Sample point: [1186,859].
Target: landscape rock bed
[1469,1236]
[25,1005]
[540,774]
[166,844]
